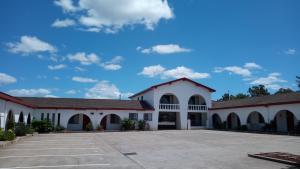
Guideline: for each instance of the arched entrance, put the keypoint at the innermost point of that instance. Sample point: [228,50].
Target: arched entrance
[21,118]
[216,121]
[233,121]
[255,121]
[169,115]
[79,122]
[28,122]
[10,120]
[111,122]
[285,121]
[197,111]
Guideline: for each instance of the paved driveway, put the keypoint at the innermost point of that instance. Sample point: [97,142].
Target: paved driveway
[154,149]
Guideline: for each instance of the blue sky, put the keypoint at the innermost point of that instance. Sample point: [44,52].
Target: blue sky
[101,49]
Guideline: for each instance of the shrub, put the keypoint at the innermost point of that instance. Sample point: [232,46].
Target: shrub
[89,127]
[59,128]
[2,135]
[128,124]
[10,125]
[42,126]
[20,129]
[99,127]
[142,124]
[29,130]
[243,128]
[10,135]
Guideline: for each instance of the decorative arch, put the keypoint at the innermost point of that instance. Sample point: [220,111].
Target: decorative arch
[21,118]
[233,121]
[111,122]
[169,98]
[216,121]
[255,121]
[197,99]
[78,122]
[10,120]
[285,121]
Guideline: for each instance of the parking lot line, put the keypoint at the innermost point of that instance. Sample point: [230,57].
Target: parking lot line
[58,148]
[52,155]
[59,166]
[56,144]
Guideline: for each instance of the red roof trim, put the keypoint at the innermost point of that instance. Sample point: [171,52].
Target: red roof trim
[72,108]
[13,99]
[173,81]
[255,105]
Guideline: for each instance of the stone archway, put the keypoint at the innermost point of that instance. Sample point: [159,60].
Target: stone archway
[111,122]
[233,121]
[255,121]
[216,121]
[79,122]
[285,121]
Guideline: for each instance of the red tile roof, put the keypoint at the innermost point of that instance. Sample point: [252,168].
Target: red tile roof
[173,81]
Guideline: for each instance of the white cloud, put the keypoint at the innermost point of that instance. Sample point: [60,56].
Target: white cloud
[234,70]
[63,23]
[71,91]
[67,5]
[164,49]
[84,79]
[113,64]
[56,78]
[105,90]
[152,71]
[111,16]
[84,59]
[252,65]
[6,79]
[30,92]
[80,69]
[271,81]
[178,72]
[30,44]
[57,67]
[290,51]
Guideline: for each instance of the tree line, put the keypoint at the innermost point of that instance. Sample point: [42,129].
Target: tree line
[258,90]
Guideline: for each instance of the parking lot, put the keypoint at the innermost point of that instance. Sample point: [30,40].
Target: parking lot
[151,149]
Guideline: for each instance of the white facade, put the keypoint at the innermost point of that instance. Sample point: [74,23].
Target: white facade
[181,104]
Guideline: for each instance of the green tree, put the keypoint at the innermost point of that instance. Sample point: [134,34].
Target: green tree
[284,90]
[226,97]
[259,90]
[241,96]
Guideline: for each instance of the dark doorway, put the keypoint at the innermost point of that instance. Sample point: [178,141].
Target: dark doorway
[167,120]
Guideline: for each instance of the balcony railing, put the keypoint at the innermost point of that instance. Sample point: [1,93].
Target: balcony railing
[197,107]
[169,106]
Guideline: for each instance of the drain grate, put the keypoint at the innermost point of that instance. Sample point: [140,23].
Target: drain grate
[129,153]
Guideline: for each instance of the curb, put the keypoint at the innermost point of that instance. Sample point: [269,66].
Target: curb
[18,139]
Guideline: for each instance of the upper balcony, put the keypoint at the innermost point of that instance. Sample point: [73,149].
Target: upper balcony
[197,104]
[169,102]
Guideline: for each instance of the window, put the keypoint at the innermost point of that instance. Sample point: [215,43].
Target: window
[48,116]
[114,119]
[58,119]
[42,116]
[53,119]
[133,116]
[148,116]
[74,119]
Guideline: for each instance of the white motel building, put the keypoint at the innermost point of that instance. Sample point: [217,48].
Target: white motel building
[178,104]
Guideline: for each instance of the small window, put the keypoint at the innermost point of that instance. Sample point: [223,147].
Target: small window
[133,116]
[42,116]
[74,119]
[114,119]
[148,116]
[58,119]
[48,117]
[53,119]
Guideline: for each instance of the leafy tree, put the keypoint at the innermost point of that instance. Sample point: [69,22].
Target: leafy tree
[227,97]
[284,90]
[259,90]
[241,96]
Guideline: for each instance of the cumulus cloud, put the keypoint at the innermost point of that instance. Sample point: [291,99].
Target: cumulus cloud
[164,49]
[30,44]
[31,92]
[178,72]
[57,67]
[63,23]
[72,91]
[234,70]
[252,65]
[105,90]
[84,79]
[113,64]
[272,81]
[79,69]
[290,51]
[110,16]
[6,79]
[84,59]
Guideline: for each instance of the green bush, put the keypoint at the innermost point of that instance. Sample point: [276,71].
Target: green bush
[20,129]
[142,124]
[100,128]
[243,128]
[59,128]
[2,135]
[128,124]
[10,135]
[10,125]
[89,127]
[29,130]
[42,126]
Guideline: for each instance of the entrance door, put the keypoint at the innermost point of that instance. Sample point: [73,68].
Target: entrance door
[167,120]
[196,119]
[103,122]
[290,121]
[86,120]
